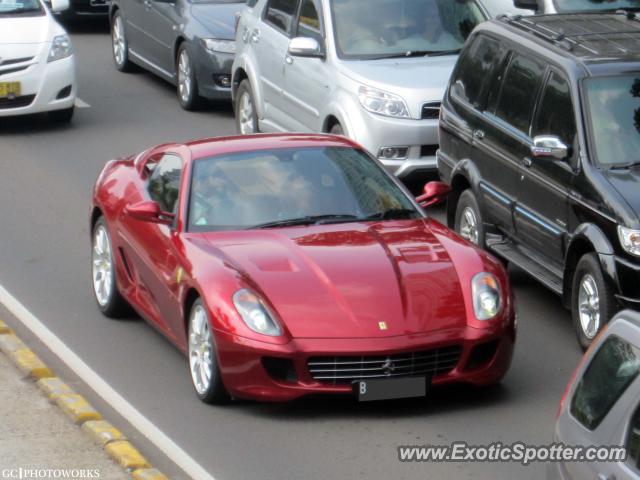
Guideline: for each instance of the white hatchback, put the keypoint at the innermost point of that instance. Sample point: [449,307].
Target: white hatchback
[37,66]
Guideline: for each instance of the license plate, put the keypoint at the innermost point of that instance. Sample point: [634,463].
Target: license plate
[9,88]
[390,388]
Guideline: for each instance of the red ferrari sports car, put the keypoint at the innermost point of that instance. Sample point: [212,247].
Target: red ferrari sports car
[287,265]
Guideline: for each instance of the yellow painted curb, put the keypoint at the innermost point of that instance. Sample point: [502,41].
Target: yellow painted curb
[54,387]
[10,343]
[30,364]
[102,432]
[126,455]
[4,329]
[148,474]
[77,408]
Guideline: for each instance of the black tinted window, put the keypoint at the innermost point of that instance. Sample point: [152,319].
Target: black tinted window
[519,90]
[164,183]
[280,13]
[611,371]
[555,115]
[633,441]
[309,22]
[476,67]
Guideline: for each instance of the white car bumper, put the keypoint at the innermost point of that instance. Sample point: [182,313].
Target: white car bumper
[44,87]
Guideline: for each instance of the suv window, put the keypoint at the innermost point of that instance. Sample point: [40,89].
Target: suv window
[611,371]
[519,91]
[280,14]
[164,183]
[633,441]
[309,24]
[555,114]
[476,65]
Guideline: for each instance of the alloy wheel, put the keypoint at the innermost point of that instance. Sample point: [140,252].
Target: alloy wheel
[247,118]
[589,306]
[185,81]
[119,48]
[200,350]
[469,225]
[102,266]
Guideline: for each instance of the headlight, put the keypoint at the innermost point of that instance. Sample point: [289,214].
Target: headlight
[485,291]
[255,313]
[221,46]
[60,48]
[382,103]
[630,240]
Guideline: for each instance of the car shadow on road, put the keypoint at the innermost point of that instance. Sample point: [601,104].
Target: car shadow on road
[31,124]
[96,25]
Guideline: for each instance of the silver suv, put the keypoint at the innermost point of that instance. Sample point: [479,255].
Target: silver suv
[373,70]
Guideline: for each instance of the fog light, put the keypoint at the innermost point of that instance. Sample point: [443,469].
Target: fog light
[223,80]
[64,93]
[393,153]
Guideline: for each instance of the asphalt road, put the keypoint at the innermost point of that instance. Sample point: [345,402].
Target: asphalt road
[46,177]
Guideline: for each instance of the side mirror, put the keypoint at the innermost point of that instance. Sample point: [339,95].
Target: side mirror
[305,47]
[549,146]
[149,211]
[527,4]
[59,5]
[434,193]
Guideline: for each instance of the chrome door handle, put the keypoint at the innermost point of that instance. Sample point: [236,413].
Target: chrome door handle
[255,35]
[288,59]
[527,162]
[479,134]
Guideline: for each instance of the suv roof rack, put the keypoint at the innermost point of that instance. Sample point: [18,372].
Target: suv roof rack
[585,34]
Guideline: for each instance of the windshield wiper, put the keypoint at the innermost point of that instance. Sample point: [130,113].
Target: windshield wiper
[417,53]
[624,166]
[392,213]
[307,220]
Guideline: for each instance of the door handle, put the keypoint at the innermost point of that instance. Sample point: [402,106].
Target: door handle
[288,59]
[479,134]
[255,35]
[527,162]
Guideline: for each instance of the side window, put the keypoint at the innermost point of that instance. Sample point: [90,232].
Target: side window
[309,24]
[555,114]
[519,91]
[633,441]
[612,369]
[475,71]
[164,182]
[280,14]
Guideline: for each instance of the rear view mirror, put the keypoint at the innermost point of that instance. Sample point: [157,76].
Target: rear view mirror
[149,211]
[434,193]
[59,5]
[305,47]
[549,146]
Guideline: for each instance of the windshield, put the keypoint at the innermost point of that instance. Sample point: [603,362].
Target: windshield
[614,110]
[20,7]
[310,185]
[582,5]
[367,29]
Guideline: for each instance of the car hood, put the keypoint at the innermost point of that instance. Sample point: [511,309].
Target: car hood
[625,182]
[25,30]
[343,281]
[218,18]
[417,80]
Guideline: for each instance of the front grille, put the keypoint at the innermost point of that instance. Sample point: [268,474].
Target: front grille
[430,111]
[13,61]
[335,370]
[17,102]
[13,70]
[428,150]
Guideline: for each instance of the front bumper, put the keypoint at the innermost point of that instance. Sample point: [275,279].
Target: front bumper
[626,274]
[244,374]
[41,84]
[211,69]
[374,132]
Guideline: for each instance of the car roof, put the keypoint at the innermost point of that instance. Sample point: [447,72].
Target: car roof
[224,145]
[600,42]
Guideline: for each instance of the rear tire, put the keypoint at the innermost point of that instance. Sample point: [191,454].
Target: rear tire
[592,300]
[103,273]
[336,129]
[61,116]
[187,87]
[468,222]
[245,110]
[120,45]
[203,361]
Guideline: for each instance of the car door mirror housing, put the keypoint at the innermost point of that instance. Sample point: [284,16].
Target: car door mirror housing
[305,47]
[149,211]
[434,193]
[59,5]
[549,146]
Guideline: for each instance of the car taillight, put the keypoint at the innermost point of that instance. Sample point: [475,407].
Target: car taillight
[586,355]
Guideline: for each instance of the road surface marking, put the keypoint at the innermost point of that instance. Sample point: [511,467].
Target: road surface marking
[81,103]
[156,436]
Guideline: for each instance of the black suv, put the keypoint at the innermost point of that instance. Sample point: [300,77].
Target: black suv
[540,143]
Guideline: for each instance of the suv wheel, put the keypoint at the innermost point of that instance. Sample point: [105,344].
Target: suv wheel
[336,129]
[120,44]
[187,83]
[246,116]
[468,223]
[592,303]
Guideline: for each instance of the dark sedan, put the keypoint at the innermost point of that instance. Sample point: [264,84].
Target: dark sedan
[190,43]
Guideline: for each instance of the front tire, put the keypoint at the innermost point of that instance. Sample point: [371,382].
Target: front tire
[592,301]
[203,363]
[468,222]
[120,45]
[337,129]
[188,95]
[246,115]
[103,273]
